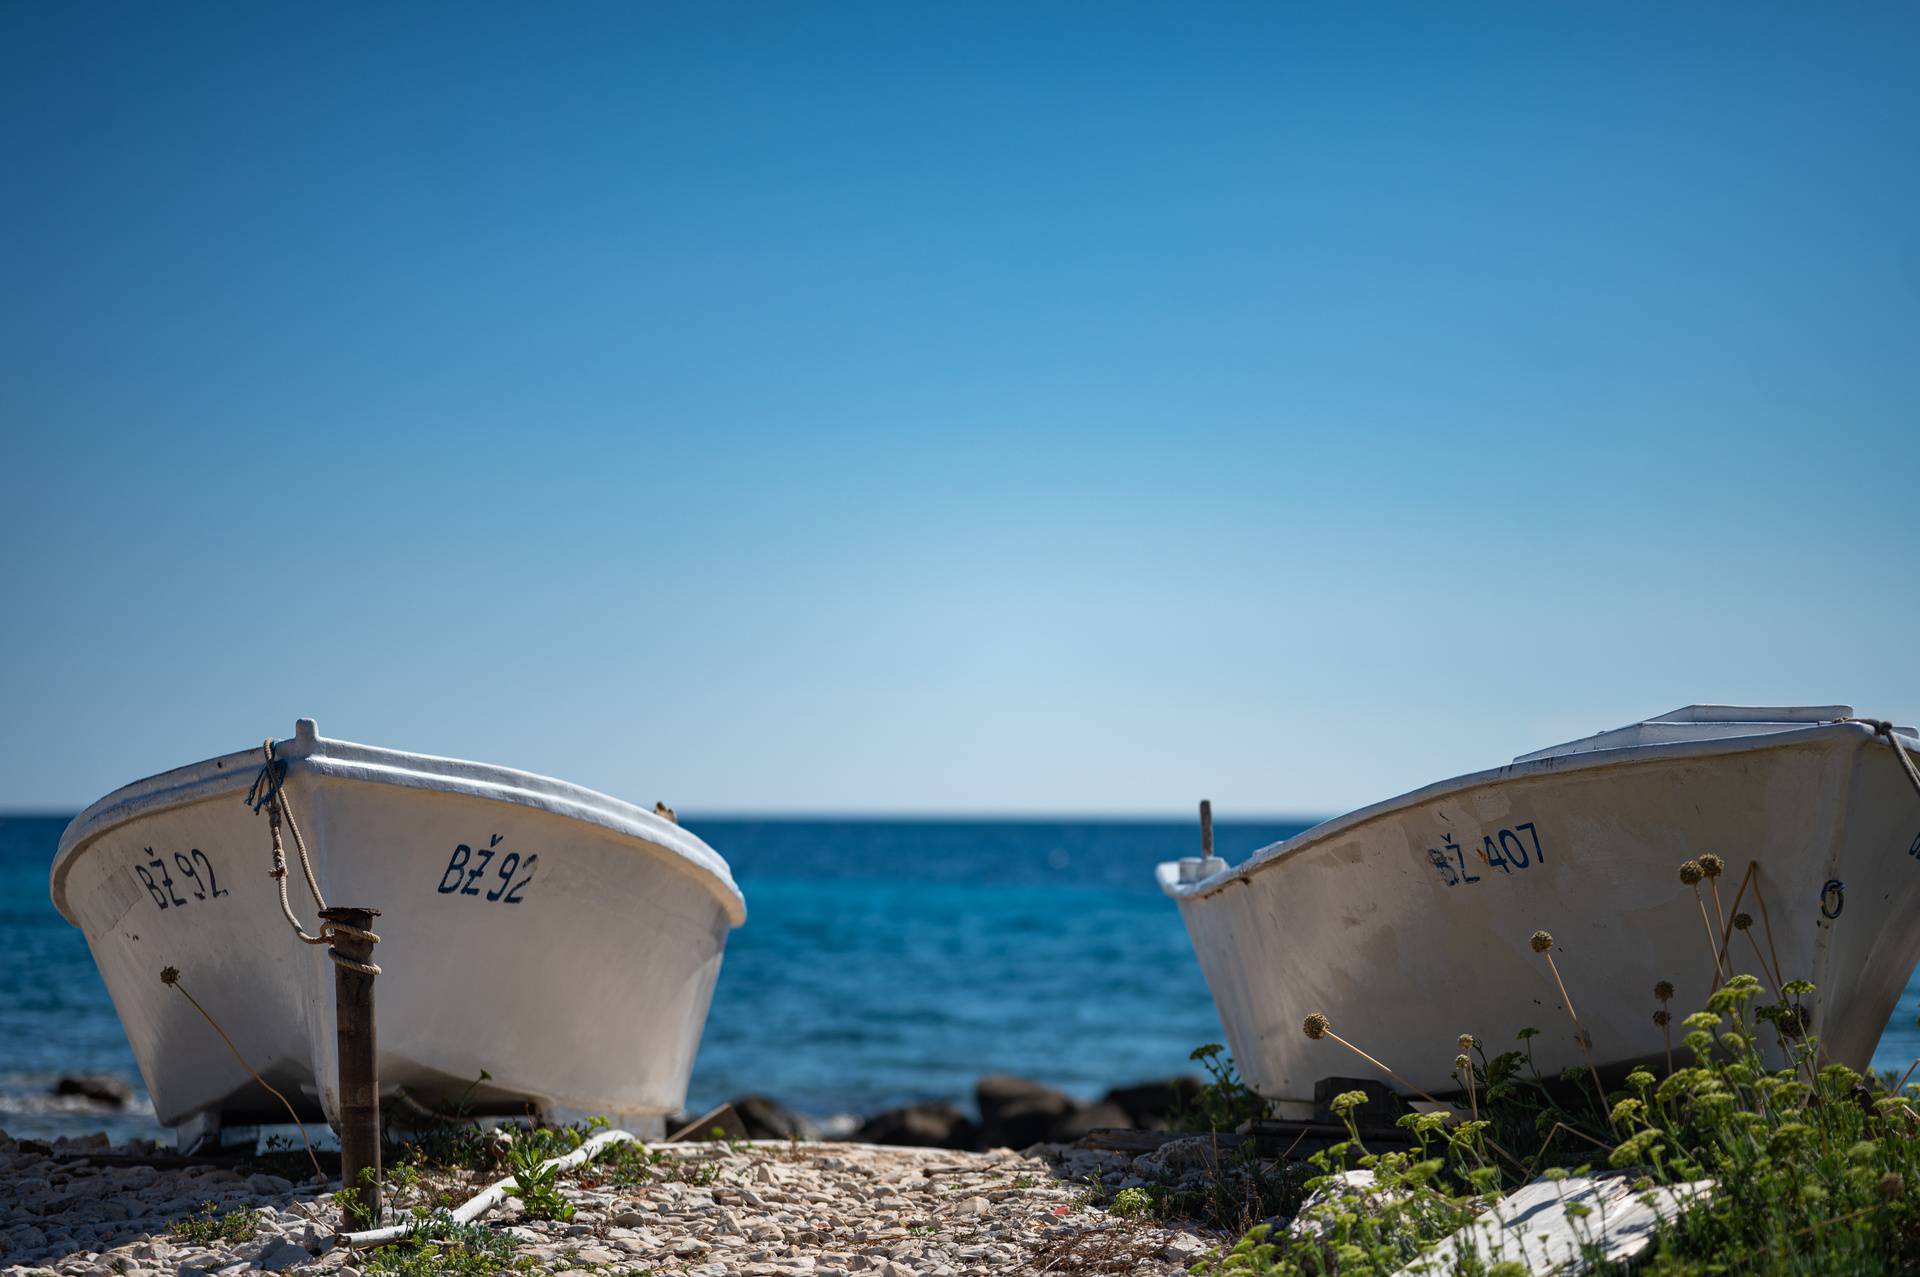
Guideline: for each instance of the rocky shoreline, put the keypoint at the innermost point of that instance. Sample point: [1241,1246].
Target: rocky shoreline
[785,1208]
[1014,1112]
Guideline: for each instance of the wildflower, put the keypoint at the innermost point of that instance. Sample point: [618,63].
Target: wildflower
[1466,1042]
[1691,872]
[1662,1019]
[1711,865]
[1742,920]
[1634,1149]
[1462,1063]
[1541,942]
[1664,991]
[170,975]
[1317,1026]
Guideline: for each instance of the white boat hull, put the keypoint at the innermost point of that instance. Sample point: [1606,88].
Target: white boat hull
[565,943]
[1390,922]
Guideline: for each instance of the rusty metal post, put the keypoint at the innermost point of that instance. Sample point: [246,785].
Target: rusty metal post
[359,1079]
[1206,828]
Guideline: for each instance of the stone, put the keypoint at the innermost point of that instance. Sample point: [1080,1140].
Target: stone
[1533,1221]
[919,1125]
[1082,1122]
[101,1088]
[1184,1249]
[1178,1160]
[998,1093]
[1016,1112]
[279,1256]
[766,1119]
[1152,1105]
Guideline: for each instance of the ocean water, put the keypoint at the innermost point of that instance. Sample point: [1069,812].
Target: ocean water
[883,962]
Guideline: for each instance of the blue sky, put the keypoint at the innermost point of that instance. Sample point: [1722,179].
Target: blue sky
[963,408]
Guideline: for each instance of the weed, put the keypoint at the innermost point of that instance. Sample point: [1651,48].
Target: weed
[436,1246]
[212,1226]
[1224,1102]
[625,1165]
[1131,1203]
[536,1184]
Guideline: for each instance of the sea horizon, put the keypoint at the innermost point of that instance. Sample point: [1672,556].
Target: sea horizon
[885,961]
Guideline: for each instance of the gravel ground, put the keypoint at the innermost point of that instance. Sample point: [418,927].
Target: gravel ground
[700,1209]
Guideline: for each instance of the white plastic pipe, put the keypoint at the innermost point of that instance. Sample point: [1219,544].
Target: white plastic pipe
[492,1197]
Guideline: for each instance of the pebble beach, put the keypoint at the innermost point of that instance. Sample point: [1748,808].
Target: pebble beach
[764,1209]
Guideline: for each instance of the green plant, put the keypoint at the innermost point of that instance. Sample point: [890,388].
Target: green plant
[536,1184]
[628,1164]
[436,1246]
[211,1226]
[1223,1102]
[1812,1169]
[353,1201]
[1816,1167]
[1130,1203]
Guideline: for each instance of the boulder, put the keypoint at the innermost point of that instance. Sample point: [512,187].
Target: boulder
[1151,1106]
[997,1093]
[1016,1112]
[767,1119]
[1082,1122]
[98,1087]
[919,1125]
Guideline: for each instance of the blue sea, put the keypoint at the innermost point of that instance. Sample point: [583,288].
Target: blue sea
[883,962]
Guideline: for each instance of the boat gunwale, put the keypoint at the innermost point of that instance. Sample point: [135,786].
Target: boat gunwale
[307,751]
[1588,760]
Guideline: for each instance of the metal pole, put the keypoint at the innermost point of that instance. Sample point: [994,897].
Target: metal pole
[359,1081]
[1206,828]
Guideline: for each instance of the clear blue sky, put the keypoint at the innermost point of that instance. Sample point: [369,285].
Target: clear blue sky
[967,408]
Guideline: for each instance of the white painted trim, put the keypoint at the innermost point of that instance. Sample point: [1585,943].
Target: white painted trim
[1589,760]
[308,751]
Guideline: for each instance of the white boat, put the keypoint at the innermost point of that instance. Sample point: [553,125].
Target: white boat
[561,941]
[1408,923]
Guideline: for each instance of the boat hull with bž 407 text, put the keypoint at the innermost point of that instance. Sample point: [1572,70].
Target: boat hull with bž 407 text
[1408,923]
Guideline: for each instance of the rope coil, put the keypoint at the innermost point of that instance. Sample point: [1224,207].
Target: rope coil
[267,792]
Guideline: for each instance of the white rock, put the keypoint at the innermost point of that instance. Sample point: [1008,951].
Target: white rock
[1533,1225]
[282,1255]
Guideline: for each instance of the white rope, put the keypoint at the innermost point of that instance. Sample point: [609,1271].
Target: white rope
[475,1207]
